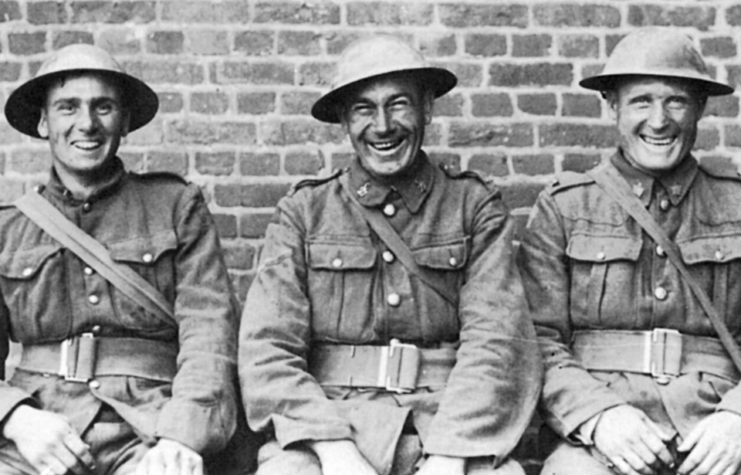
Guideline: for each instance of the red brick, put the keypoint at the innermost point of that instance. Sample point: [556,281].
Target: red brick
[337,41]
[722,106]
[303,163]
[469,75]
[256,195]
[539,164]
[569,15]
[9,11]
[581,105]
[10,71]
[580,162]
[10,190]
[226,225]
[170,102]
[578,46]
[341,161]
[520,195]
[537,104]
[215,163]
[535,74]
[489,164]
[577,135]
[733,15]
[255,43]
[2,163]
[113,12]
[165,42]
[531,45]
[708,138]
[259,164]
[166,71]
[316,74]
[732,135]
[491,105]
[8,135]
[173,162]
[27,43]
[451,160]
[298,102]
[464,134]
[590,70]
[206,12]
[701,18]
[29,161]
[256,73]
[227,196]
[150,134]
[433,135]
[720,47]
[734,75]
[298,13]
[60,39]
[254,225]
[132,161]
[122,41]
[611,41]
[207,42]
[449,105]
[45,13]
[389,14]
[208,133]
[437,45]
[299,43]
[299,131]
[238,256]
[467,15]
[255,103]
[209,102]
[480,44]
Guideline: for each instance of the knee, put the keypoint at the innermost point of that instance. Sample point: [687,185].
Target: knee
[274,460]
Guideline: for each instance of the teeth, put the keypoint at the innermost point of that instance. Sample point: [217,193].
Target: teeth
[385,146]
[87,145]
[658,142]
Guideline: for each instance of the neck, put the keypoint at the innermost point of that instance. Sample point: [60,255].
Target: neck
[83,185]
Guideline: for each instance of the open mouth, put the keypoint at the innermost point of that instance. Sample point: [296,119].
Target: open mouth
[87,145]
[386,147]
[659,142]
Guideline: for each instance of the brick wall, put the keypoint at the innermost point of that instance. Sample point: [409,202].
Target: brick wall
[236,80]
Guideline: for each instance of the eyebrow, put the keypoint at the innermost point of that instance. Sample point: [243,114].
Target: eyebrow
[93,101]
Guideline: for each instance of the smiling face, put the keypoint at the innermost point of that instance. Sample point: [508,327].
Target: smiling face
[385,119]
[84,120]
[657,120]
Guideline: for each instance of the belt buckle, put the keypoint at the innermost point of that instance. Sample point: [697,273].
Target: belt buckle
[74,353]
[663,354]
[398,367]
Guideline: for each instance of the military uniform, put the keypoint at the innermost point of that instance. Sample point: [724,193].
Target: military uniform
[325,278]
[159,226]
[587,266]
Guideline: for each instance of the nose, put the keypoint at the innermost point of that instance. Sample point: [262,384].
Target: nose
[87,121]
[658,117]
[381,121]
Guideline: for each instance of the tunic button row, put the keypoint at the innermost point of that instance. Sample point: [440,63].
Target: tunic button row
[664,204]
[601,256]
[87,207]
[388,256]
[94,384]
[660,293]
[389,210]
[27,271]
[393,299]
[93,299]
[660,251]
[87,271]
[336,262]
[147,258]
[719,255]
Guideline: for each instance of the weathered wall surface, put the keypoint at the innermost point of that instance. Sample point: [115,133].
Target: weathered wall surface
[236,80]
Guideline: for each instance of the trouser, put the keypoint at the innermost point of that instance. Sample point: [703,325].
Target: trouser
[272,460]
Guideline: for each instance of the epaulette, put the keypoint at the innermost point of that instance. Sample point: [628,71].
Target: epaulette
[566,180]
[314,181]
[722,170]
[163,176]
[455,173]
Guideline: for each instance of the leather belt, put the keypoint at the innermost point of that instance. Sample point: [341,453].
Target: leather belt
[662,353]
[398,367]
[85,357]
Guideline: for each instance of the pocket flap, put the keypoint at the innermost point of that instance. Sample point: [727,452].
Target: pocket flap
[340,256]
[143,249]
[711,249]
[603,248]
[24,264]
[451,256]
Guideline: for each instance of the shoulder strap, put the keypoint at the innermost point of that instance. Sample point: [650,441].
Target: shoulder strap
[94,254]
[616,188]
[391,238]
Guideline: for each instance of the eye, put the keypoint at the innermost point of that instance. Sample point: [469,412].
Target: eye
[400,104]
[678,103]
[105,108]
[65,108]
[361,109]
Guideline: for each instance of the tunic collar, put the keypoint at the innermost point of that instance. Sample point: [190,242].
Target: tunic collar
[413,185]
[676,182]
[115,176]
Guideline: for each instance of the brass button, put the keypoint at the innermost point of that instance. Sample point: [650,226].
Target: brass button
[389,210]
[93,299]
[388,256]
[27,271]
[664,204]
[96,330]
[660,293]
[87,271]
[94,384]
[393,299]
[660,251]
[601,256]
[87,207]
[453,262]
[147,257]
[719,255]
[336,262]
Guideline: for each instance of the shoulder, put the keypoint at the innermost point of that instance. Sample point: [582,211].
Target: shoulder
[721,170]
[159,178]
[568,180]
[454,173]
[315,182]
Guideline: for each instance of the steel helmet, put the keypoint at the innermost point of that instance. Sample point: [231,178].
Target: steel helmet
[656,51]
[23,108]
[374,57]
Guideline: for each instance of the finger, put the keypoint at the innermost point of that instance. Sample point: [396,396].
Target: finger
[70,462]
[192,466]
[80,449]
[658,449]
[693,460]
[647,455]
[149,464]
[173,462]
[692,439]
[56,467]
[722,467]
[662,434]
[622,466]
[637,463]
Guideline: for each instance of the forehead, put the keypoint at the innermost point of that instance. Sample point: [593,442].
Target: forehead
[655,85]
[83,85]
[384,87]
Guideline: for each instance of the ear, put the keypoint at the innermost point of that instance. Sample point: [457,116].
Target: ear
[428,106]
[612,105]
[43,127]
[125,122]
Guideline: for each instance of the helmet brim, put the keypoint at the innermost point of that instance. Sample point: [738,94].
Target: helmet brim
[608,82]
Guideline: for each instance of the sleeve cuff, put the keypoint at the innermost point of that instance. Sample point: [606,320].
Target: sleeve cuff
[200,427]
[289,431]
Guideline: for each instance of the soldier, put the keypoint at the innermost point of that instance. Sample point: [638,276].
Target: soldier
[385,330]
[109,382]
[629,271]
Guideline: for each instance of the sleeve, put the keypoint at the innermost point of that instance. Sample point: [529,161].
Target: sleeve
[279,393]
[571,396]
[202,411]
[493,388]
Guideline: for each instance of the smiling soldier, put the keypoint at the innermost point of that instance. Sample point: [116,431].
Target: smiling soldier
[385,331]
[114,284]
[632,271]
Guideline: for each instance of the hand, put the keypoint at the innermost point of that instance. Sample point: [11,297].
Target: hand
[442,465]
[631,441]
[341,457]
[714,446]
[47,442]
[169,457]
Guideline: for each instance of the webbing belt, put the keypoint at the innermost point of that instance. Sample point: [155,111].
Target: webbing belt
[397,367]
[83,358]
[662,353]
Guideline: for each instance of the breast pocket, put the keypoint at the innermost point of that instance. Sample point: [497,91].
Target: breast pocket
[602,273]
[341,281]
[447,260]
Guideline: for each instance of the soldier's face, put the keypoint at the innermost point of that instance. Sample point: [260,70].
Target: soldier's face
[657,120]
[84,121]
[386,120]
